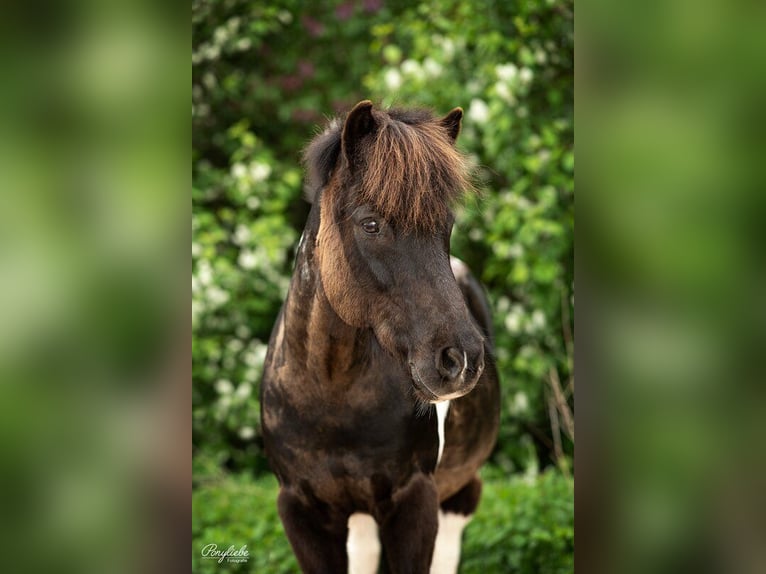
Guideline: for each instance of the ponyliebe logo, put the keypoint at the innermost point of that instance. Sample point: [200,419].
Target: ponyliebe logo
[231,554]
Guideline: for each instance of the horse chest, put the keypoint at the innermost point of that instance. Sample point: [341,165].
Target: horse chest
[338,444]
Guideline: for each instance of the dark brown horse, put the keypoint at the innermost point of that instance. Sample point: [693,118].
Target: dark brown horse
[380,396]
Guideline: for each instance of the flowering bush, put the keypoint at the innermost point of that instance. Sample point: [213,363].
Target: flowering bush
[266,76]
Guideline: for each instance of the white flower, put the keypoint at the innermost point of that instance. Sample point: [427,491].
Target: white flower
[233,23]
[224,387]
[513,319]
[235,345]
[476,234]
[247,259]
[393,79]
[259,171]
[478,111]
[473,87]
[244,390]
[217,296]
[220,35]
[212,52]
[448,48]
[525,75]
[520,403]
[223,406]
[410,67]
[246,433]
[506,72]
[241,235]
[251,374]
[503,304]
[253,202]
[205,272]
[512,323]
[504,91]
[432,68]
[238,170]
[538,320]
[209,80]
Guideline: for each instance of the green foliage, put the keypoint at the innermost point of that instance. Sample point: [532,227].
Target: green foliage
[265,77]
[525,526]
[238,511]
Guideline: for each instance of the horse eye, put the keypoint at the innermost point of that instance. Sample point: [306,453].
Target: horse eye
[370,226]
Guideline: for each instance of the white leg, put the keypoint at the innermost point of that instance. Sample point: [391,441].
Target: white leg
[447,549]
[363,544]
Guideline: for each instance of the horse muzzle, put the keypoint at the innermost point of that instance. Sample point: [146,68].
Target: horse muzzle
[449,373]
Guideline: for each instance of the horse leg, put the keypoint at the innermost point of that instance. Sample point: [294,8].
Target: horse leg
[318,542]
[454,514]
[363,545]
[408,532]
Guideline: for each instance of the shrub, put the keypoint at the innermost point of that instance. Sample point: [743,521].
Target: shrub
[264,77]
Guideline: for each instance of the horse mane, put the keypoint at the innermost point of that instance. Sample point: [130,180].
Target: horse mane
[320,157]
[409,169]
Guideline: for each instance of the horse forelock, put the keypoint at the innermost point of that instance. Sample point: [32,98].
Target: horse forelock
[410,171]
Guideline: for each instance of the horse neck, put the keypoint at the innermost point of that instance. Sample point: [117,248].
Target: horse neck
[316,338]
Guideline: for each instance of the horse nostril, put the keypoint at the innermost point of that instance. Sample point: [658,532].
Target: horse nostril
[451,362]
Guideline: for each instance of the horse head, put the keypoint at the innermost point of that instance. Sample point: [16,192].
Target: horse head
[387,180]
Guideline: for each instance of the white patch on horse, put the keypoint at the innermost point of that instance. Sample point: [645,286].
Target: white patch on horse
[441,416]
[447,548]
[305,269]
[362,545]
[300,242]
[305,272]
[459,269]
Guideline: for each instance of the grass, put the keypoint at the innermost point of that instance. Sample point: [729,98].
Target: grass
[523,525]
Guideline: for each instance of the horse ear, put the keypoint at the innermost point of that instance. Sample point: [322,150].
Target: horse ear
[359,123]
[451,122]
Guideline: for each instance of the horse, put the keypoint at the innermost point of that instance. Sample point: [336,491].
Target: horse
[380,396]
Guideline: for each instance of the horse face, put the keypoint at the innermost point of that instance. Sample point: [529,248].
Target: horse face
[383,245]
[400,285]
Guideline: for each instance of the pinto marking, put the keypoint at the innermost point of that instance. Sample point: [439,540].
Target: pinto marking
[441,416]
[447,548]
[363,545]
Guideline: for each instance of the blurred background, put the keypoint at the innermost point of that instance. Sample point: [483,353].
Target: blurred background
[94,321]
[671,275]
[95,371]
[266,77]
